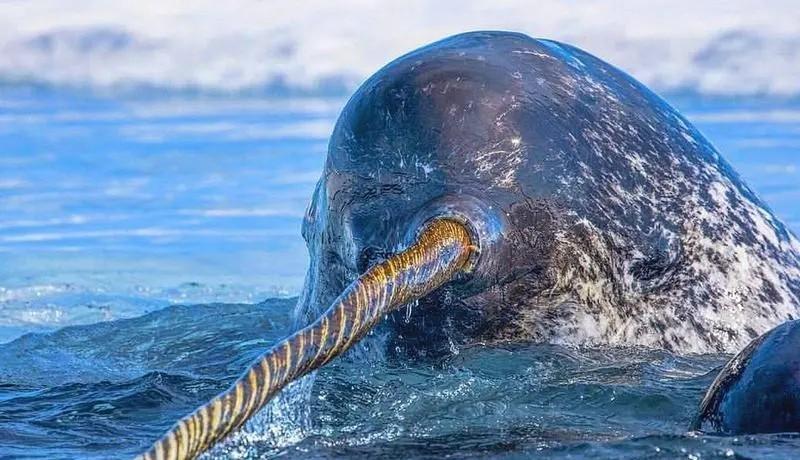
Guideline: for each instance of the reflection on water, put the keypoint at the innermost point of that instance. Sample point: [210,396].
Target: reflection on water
[111,208]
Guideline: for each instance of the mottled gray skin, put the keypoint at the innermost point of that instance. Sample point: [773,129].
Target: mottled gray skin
[758,391]
[603,216]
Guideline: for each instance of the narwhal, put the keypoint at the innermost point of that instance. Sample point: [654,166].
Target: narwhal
[758,391]
[518,189]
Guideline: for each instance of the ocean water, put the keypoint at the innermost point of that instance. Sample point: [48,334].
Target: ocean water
[150,249]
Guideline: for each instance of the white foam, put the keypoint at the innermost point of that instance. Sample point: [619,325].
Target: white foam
[730,47]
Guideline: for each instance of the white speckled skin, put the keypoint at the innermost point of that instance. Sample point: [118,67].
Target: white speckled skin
[618,223]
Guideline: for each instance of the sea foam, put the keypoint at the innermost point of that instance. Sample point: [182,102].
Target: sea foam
[713,47]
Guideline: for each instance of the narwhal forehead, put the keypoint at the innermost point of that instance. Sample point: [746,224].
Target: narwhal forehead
[453,110]
[507,113]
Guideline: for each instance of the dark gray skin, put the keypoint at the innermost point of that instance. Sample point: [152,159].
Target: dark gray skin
[758,391]
[519,189]
[603,216]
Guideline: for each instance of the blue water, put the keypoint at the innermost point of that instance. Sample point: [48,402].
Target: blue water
[177,218]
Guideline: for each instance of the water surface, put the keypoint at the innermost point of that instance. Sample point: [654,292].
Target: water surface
[176,218]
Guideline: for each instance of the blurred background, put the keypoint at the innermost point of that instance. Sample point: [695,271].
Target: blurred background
[164,152]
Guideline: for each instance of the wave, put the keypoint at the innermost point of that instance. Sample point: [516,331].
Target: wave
[109,389]
[177,338]
[43,308]
[740,47]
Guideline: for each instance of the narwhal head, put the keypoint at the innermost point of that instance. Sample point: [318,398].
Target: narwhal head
[483,176]
[441,132]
